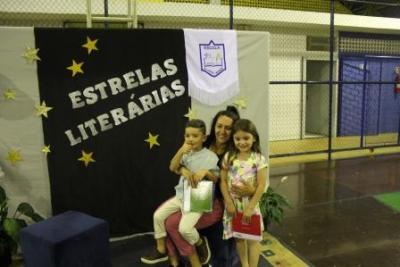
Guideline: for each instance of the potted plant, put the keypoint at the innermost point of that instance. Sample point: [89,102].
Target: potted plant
[272,205]
[10,226]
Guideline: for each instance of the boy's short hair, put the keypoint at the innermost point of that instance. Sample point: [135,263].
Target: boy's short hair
[196,123]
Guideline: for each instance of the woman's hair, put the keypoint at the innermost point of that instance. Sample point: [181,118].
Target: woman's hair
[247,126]
[230,112]
[198,124]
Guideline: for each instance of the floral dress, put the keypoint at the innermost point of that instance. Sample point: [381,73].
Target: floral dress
[238,171]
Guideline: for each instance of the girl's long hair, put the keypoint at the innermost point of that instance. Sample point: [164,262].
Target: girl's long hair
[247,126]
[230,112]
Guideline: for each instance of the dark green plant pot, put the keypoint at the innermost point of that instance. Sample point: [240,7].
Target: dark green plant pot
[5,253]
[5,258]
[267,225]
[5,249]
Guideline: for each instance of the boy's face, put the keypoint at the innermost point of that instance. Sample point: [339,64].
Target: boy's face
[194,137]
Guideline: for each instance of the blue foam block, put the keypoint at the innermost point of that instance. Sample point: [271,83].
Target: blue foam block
[70,239]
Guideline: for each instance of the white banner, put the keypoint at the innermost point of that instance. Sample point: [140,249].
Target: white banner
[212,65]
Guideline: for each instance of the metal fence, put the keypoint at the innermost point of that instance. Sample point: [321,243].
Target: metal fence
[333,75]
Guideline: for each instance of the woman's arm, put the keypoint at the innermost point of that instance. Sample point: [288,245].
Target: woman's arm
[246,189]
[201,174]
[261,182]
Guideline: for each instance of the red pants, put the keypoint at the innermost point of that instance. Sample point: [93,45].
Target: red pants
[174,239]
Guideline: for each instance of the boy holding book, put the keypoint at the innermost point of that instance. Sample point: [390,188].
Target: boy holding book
[199,163]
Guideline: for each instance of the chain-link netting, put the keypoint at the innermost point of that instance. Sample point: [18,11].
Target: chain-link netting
[359,106]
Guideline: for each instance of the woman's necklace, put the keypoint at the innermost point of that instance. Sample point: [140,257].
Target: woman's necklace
[218,149]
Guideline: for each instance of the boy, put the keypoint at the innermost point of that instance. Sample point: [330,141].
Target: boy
[200,163]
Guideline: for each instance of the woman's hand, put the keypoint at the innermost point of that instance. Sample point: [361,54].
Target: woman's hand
[230,208]
[186,173]
[244,189]
[198,176]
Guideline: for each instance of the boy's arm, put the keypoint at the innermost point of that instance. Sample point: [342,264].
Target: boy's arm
[175,163]
[211,172]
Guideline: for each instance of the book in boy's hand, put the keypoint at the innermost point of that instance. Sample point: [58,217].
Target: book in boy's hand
[199,199]
[245,230]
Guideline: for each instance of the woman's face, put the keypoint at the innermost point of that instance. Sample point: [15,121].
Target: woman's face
[223,129]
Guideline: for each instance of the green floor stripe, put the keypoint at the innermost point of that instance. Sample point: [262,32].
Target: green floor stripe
[391,200]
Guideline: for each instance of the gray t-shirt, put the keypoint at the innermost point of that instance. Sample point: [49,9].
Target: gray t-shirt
[203,159]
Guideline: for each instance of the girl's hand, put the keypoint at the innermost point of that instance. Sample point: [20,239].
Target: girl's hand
[230,208]
[186,148]
[247,215]
[245,189]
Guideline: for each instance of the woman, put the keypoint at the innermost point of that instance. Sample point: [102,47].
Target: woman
[210,223]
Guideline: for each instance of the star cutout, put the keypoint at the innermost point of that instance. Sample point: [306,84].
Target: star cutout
[43,109]
[191,114]
[46,150]
[75,68]
[31,54]
[152,140]
[90,45]
[9,94]
[14,156]
[86,158]
[240,103]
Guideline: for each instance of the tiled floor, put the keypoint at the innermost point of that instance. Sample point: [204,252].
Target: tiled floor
[335,221]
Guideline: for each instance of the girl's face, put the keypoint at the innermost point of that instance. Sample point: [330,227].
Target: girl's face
[194,137]
[243,141]
[223,129]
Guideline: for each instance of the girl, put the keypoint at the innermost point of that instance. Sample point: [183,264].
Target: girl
[243,163]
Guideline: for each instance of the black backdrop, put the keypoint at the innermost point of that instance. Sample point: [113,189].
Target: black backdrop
[128,180]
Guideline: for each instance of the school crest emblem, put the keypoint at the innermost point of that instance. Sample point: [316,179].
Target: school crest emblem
[212,58]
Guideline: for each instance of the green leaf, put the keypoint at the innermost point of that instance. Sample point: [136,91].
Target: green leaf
[12,227]
[36,217]
[272,206]
[3,212]
[26,209]
[3,196]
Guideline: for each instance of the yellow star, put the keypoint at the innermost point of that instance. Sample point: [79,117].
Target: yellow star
[14,156]
[191,114]
[46,150]
[43,109]
[75,68]
[90,45]
[152,140]
[31,54]
[86,158]
[9,94]
[240,103]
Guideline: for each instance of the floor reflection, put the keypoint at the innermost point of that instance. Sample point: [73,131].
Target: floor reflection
[335,219]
